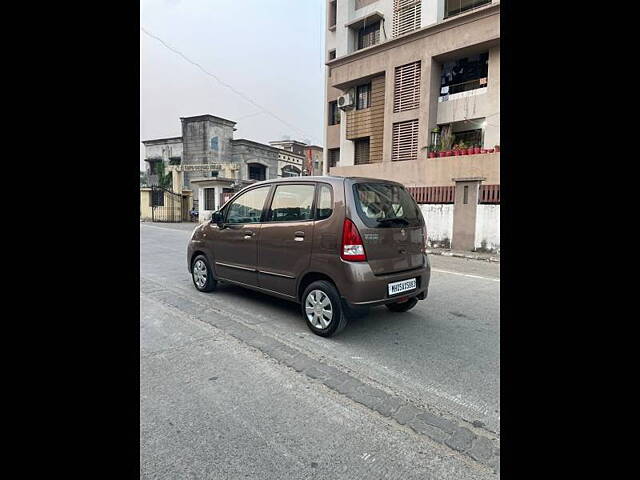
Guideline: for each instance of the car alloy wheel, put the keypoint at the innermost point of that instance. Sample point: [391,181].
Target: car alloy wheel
[200,273]
[318,309]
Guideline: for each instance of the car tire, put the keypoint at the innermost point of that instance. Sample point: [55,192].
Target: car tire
[321,320]
[402,306]
[202,275]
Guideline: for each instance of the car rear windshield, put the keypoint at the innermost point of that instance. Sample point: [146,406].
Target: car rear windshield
[382,205]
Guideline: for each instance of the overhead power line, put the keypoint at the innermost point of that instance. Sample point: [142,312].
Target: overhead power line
[225,84]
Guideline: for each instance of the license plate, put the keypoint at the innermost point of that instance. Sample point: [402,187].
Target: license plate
[402,286]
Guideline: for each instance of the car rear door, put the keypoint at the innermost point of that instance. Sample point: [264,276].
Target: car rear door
[286,235]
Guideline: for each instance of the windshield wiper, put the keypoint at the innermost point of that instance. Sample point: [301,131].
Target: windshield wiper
[401,220]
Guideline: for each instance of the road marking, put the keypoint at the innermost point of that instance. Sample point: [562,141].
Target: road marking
[492,279]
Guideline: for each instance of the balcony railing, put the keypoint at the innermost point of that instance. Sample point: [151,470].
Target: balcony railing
[464,86]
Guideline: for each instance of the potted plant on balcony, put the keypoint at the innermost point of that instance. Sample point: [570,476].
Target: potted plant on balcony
[447,142]
[476,149]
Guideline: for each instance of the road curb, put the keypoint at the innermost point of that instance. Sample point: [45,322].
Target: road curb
[468,256]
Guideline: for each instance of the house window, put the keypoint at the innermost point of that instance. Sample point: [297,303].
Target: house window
[257,172]
[404,141]
[363,96]
[333,13]
[209,198]
[468,73]
[407,87]
[332,54]
[334,113]
[154,167]
[334,157]
[361,151]
[406,16]
[363,3]
[369,35]
[156,199]
[456,7]
[468,137]
[290,171]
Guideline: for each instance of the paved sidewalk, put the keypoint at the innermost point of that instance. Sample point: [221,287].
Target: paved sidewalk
[487,257]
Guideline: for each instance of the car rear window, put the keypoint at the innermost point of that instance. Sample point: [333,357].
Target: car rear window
[385,205]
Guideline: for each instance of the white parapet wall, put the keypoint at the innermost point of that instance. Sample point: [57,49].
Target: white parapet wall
[488,227]
[439,220]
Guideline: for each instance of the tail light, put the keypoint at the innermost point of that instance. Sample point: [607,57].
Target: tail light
[352,247]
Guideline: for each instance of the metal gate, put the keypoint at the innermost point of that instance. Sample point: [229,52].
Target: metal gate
[166,206]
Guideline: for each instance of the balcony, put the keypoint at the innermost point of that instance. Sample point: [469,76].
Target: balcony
[428,171]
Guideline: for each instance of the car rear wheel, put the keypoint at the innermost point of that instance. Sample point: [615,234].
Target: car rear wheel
[402,306]
[202,275]
[322,309]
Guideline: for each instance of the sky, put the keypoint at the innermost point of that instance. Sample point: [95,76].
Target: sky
[272,51]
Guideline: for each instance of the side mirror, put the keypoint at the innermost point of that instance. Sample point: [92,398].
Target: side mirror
[216,217]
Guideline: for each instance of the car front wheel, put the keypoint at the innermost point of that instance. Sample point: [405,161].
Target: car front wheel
[202,275]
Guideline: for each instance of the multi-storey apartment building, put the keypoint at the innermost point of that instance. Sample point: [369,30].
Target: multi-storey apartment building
[401,76]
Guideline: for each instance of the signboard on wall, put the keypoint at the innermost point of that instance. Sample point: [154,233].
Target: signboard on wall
[206,167]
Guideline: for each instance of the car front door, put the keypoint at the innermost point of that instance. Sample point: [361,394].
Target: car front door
[284,249]
[235,242]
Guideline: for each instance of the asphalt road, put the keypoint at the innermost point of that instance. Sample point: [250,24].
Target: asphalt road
[217,403]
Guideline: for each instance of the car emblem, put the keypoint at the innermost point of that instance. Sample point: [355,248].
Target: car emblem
[403,232]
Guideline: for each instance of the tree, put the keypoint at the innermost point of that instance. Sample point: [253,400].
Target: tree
[164,179]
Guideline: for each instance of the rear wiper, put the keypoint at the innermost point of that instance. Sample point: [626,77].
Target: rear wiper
[403,221]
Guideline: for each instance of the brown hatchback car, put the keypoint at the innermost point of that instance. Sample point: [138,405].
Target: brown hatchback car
[336,245]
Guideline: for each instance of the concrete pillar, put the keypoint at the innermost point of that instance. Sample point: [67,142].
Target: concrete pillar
[492,127]
[218,192]
[201,204]
[464,212]
[177,180]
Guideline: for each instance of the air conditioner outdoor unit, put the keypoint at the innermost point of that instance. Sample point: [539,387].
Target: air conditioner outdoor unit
[346,101]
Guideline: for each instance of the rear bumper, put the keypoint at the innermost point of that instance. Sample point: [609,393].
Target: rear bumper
[363,288]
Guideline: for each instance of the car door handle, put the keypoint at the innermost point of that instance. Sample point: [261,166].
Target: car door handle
[248,234]
[299,236]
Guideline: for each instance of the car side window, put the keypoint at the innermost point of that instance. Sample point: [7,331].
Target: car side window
[247,208]
[292,203]
[324,208]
